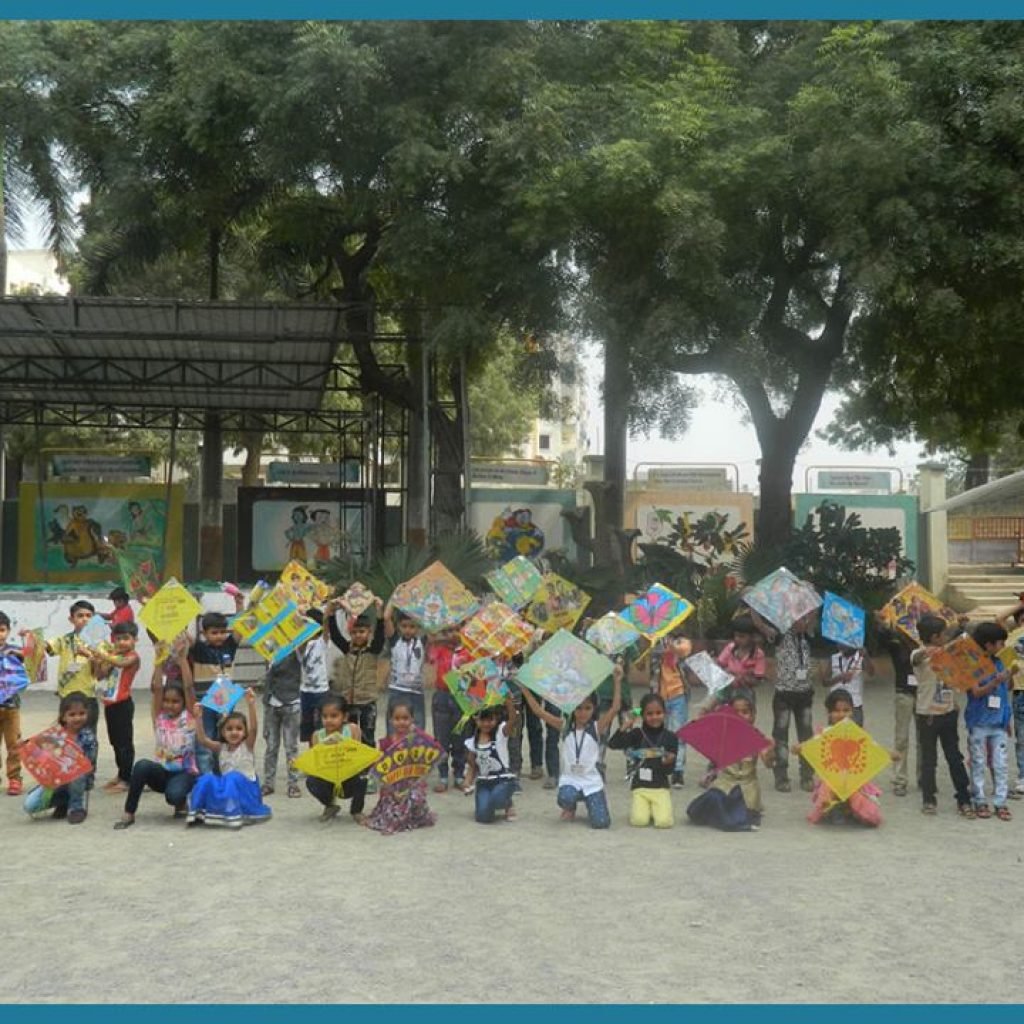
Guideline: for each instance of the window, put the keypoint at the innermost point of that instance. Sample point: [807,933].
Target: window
[544,442]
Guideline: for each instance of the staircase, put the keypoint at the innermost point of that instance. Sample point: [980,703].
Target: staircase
[993,588]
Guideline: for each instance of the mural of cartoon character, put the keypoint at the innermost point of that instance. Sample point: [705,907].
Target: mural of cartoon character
[57,525]
[296,535]
[84,539]
[514,533]
[322,534]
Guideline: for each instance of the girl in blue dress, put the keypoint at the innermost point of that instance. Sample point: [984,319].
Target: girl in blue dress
[231,798]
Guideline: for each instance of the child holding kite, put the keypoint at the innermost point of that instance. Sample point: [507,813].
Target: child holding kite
[987,717]
[403,806]
[651,751]
[443,655]
[116,665]
[489,763]
[233,797]
[10,711]
[580,778]
[407,661]
[335,729]
[671,689]
[173,768]
[847,669]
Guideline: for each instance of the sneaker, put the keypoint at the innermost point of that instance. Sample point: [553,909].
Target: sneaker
[329,812]
[76,817]
[266,789]
[549,783]
[1019,788]
[293,790]
[677,780]
[783,786]
[14,787]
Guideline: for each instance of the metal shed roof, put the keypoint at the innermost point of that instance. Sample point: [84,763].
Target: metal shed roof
[167,354]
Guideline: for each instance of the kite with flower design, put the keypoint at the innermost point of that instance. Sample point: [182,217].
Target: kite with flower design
[657,612]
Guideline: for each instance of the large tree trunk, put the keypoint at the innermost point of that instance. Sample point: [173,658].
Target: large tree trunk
[775,517]
[417,454]
[252,441]
[979,470]
[609,508]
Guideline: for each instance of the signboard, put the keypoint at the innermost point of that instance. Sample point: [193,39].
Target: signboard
[527,474]
[346,472]
[97,464]
[854,480]
[691,478]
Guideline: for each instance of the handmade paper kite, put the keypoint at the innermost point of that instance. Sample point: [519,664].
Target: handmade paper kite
[782,599]
[564,670]
[407,760]
[222,696]
[357,599]
[842,621]
[275,627]
[611,634]
[298,585]
[907,607]
[169,611]
[476,685]
[94,633]
[657,612]
[845,757]
[1014,649]
[13,676]
[34,652]
[52,759]
[336,761]
[515,582]
[709,672]
[139,572]
[557,603]
[962,664]
[435,599]
[497,630]
[723,737]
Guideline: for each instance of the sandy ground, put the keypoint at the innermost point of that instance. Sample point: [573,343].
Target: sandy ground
[532,910]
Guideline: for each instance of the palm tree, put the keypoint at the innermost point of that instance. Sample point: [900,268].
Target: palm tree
[31,179]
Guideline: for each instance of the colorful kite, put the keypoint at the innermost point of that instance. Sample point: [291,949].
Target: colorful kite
[94,633]
[222,696]
[139,571]
[516,582]
[907,607]
[709,672]
[962,664]
[435,599]
[723,737]
[497,630]
[782,599]
[275,627]
[336,761]
[611,634]
[476,685]
[13,675]
[52,759]
[564,670]
[408,760]
[357,599]
[842,621]
[845,757]
[169,611]
[556,604]
[1014,649]
[657,612]
[34,653]
[298,585]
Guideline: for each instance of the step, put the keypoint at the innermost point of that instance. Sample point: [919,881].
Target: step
[1001,569]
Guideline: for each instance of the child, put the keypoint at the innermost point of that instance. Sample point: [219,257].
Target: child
[69,801]
[354,676]
[444,654]
[671,688]
[651,750]
[408,657]
[743,657]
[899,648]
[847,669]
[173,769]
[232,797]
[334,729]
[937,721]
[987,717]
[861,806]
[581,749]
[211,656]
[313,689]
[75,667]
[489,764]
[10,715]
[122,608]
[794,696]
[400,808]
[282,713]
[117,669]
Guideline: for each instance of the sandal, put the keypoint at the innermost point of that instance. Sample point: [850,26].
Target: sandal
[967,811]
[440,787]
[982,811]
[929,809]
[1003,814]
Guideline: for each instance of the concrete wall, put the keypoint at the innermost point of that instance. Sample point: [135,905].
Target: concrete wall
[642,503]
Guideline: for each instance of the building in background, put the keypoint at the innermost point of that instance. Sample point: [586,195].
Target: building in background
[34,272]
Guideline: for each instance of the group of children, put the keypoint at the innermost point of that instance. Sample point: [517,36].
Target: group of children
[204,764]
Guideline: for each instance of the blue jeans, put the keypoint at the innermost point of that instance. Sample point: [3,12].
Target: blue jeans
[1018,731]
[597,805]
[415,700]
[983,739]
[492,797]
[677,714]
[205,759]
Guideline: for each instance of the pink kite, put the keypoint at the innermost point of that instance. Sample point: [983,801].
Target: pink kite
[723,737]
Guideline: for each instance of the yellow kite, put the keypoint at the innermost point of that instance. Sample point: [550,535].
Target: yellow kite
[298,585]
[338,761]
[845,757]
[496,630]
[557,604]
[169,611]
